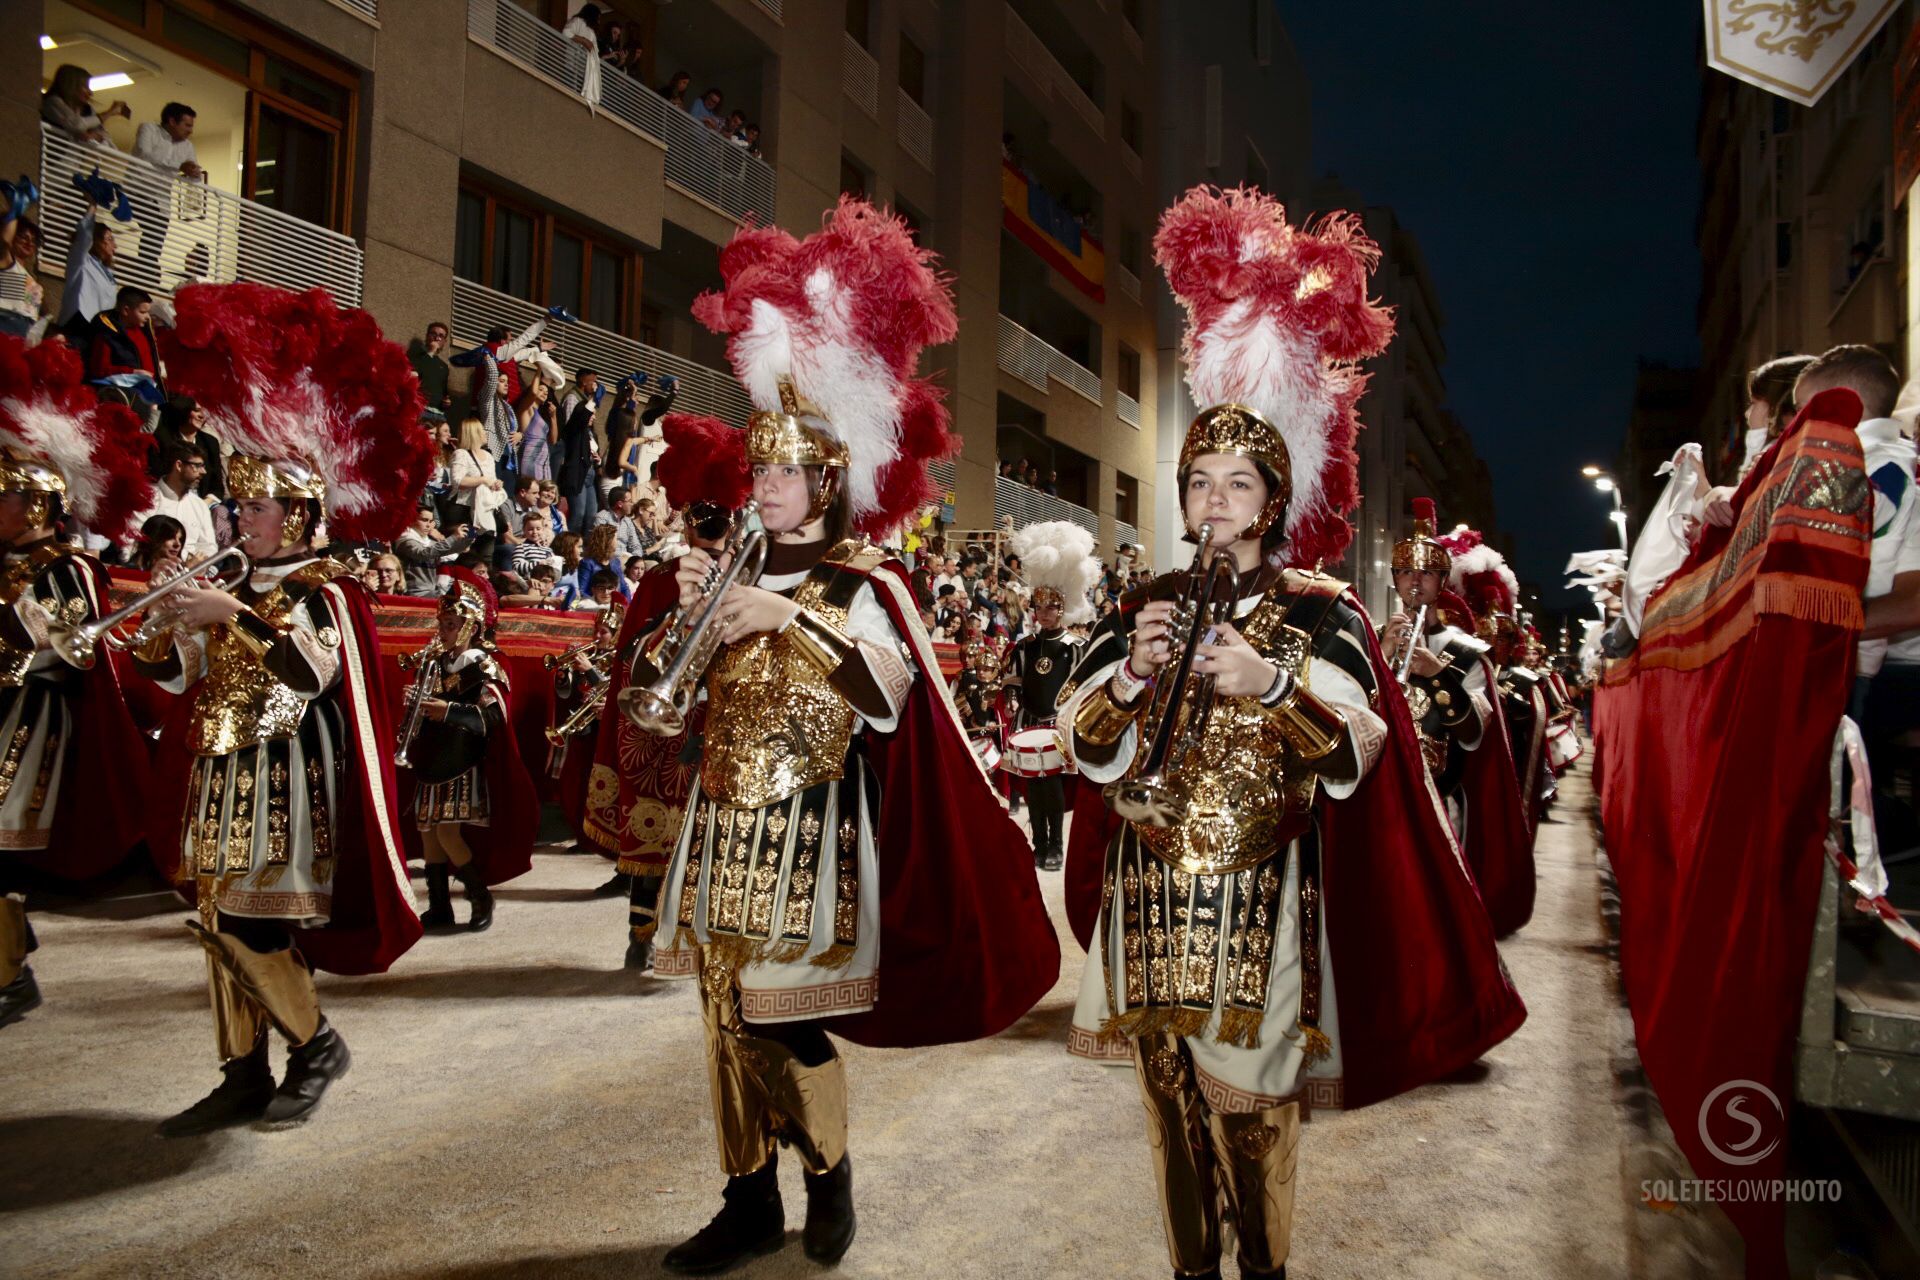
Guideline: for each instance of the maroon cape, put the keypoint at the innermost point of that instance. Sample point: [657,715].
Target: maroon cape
[374,921]
[966,945]
[95,827]
[1716,837]
[503,848]
[1418,978]
[1499,843]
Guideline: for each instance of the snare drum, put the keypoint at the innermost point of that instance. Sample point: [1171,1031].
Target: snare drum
[987,752]
[1034,753]
[1563,746]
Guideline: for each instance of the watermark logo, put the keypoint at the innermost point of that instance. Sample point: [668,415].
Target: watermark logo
[1741,1122]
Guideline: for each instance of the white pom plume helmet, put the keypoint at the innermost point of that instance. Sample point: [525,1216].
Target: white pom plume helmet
[1057,556]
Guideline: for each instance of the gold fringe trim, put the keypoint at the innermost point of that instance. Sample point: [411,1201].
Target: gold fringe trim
[1155,1020]
[639,865]
[835,957]
[786,953]
[1239,1027]
[731,952]
[1810,600]
[1315,1046]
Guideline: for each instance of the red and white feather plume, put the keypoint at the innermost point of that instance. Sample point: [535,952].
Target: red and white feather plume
[1480,574]
[1276,316]
[844,315]
[705,460]
[290,376]
[49,414]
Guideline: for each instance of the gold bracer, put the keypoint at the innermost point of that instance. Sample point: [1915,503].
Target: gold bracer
[238,702]
[1311,727]
[819,641]
[1101,721]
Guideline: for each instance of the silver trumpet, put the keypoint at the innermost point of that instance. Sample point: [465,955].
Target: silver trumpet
[78,644]
[667,671]
[1405,665]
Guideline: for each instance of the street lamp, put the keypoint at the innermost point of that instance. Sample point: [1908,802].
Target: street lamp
[1606,484]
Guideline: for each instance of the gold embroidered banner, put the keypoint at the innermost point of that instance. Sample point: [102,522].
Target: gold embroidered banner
[1794,48]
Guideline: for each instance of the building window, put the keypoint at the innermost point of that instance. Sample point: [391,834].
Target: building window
[1256,167]
[1130,11]
[1129,371]
[853,176]
[859,20]
[1130,247]
[913,70]
[1130,127]
[1126,498]
[915,220]
[528,253]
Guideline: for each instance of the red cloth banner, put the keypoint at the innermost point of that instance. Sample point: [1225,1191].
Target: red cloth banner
[1712,746]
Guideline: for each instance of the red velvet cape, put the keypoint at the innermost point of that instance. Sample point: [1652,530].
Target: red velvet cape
[966,945]
[1499,843]
[374,921]
[94,827]
[1419,983]
[1716,835]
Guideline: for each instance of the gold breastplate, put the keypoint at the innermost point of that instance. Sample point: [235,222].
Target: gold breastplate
[16,581]
[1245,794]
[775,725]
[238,702]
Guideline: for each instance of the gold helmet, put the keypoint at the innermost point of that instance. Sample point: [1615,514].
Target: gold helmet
[1419,550]
[797,436]
[1238,430]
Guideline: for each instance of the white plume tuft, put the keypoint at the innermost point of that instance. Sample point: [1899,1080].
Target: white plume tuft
[1059,554]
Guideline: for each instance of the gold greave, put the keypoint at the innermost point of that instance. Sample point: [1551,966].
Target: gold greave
[809,1104]
[741,1119]
[1256,1153]
[13,938]
[276,981]
[238,1023]
[1183,1160]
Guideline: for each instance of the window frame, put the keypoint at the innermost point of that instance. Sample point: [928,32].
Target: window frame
[546,224]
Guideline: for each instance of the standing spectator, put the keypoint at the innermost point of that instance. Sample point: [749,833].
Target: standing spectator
[475,480]
[177,495]
[735,127]
[21,295]
[1052,486]
[583,34]
[91,286]
[432,369]
[184,422]
[707,110]
[67,105]
[579,461]
[421,549]
[169,144]
[122,339]
[675,89]
[536,459]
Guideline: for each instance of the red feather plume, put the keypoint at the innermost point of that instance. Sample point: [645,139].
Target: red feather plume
[48,412]
[705,461]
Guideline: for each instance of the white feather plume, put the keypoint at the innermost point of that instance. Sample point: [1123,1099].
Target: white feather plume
[1059,554]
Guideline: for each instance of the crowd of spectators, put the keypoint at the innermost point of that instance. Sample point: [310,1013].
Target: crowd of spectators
[1022,471]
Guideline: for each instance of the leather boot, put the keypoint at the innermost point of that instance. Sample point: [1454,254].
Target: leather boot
[616,887]
[242,1096]
[311,1067]
[439,912]
[639,954]
[19,997]
[479,897]
[830,1221]
[750,1223]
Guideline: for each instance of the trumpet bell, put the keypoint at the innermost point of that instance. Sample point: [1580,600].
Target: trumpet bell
[652,711]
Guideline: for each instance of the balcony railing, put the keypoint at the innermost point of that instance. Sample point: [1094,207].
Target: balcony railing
[1125,535]
[915,131]
[771,6]
[1123,276]
[365,8]
[1028,505]
[1038,365]
[187,232]
[699,161]
[1030,53]
[860,75]
[477,309]
[1128,409]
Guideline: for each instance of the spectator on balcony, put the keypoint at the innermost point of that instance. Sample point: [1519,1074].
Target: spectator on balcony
[169,144]
[182,422]
[121,340]
[707,110]
[735,128]
[584,28]
[432,369]
[582,33]
[536,451]
[178,495]
[620,44]
[578,458]
[21,296]
[675,89]
[1051,487]
[422,549]
[750,139]
[91,286]
[477,483]
[67,105]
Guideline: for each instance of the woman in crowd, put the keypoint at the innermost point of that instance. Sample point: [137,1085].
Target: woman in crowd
[599,556]
[570,548]
[675,90]
[21,295]
[535,455]
[634,570]
[478,490]
[161,540]
[67,105]
[440,492]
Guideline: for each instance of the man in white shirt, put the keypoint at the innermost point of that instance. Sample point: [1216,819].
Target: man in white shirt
[168,145]
[177,495]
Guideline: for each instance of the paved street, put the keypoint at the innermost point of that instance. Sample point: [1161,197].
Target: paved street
[519,1106]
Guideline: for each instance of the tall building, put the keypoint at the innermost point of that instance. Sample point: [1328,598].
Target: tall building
[463,160]
[1796,229]
[1664,416]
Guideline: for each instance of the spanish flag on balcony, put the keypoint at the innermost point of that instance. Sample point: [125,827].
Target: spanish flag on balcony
[1046,226]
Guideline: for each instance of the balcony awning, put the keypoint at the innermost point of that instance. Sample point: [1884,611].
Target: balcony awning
[1789,47]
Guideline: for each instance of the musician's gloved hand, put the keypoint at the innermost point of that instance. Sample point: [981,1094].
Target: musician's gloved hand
[749,611]
[1395,640]
[1236,666]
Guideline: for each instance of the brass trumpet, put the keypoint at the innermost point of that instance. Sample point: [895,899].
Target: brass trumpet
[78,644]
[554,661]
[582,715]
[1149,795]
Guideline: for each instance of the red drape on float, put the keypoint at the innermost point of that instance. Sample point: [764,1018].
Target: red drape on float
[1713,743]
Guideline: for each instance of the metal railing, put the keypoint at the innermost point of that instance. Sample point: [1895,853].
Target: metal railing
[1125,535]
[1027,505]
[477,309]
[1127,409]
[699,161]
[365,8]
[1031,54]
[915,131]
[186,232]
[860,75]
[771,6]
[1123,276]
[1037,364]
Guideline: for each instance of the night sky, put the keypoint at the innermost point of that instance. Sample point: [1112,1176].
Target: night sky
[1543,157]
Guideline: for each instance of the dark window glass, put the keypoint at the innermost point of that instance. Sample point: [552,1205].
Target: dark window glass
[1129,371]
[197,37]
[513,253]
[913,71]
[1256,168]
[133,11]
[306,88]
[567,273]
[911,216]
[853,179]
[1130,10]
[469,238]
[603,307]
[859,20]
[293,167]
[1130,127]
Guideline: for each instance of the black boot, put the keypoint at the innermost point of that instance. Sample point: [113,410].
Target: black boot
[19,997]
[311,1067]
[639,955]
[830,1221]
[616,887]
[479,897]
[242,1096]
[439,912]
[750,1223]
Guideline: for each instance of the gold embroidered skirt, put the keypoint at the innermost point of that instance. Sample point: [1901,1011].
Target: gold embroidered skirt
[259,831]
[461,798]
[35,731]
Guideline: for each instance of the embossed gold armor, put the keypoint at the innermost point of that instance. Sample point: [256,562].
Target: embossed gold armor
[1245,788]
[238,702]
[17,579]
[775,725]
